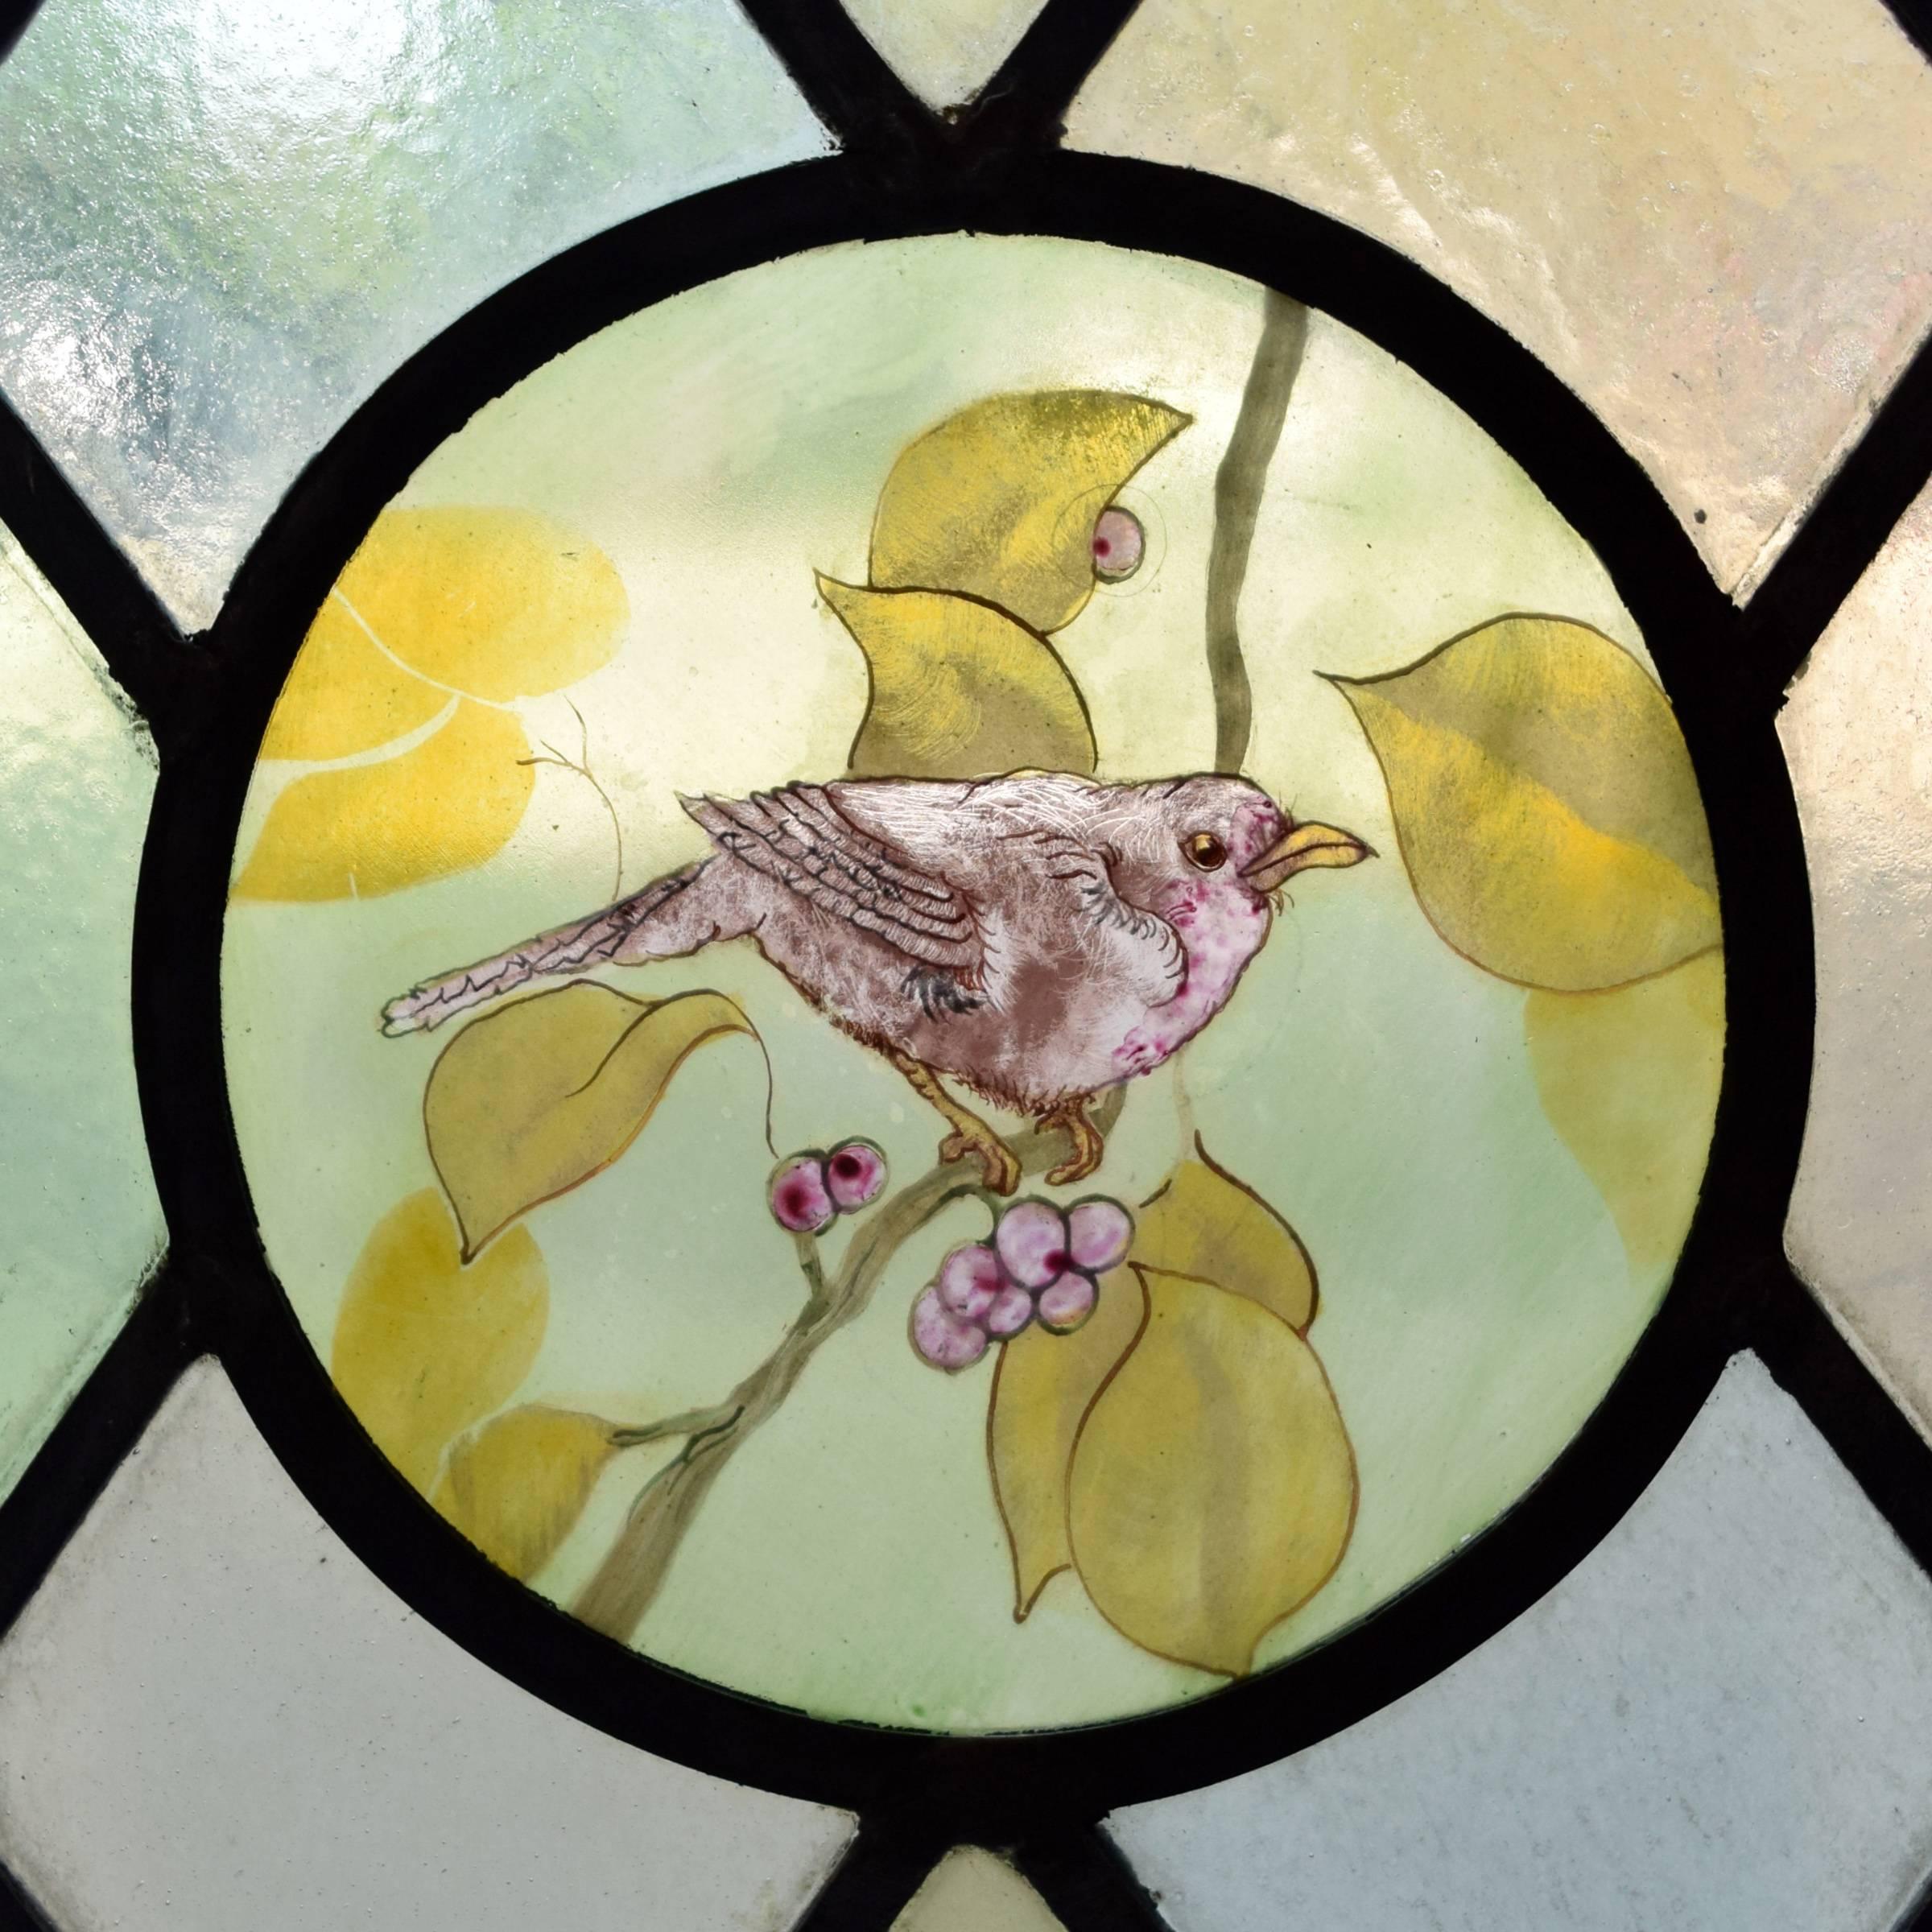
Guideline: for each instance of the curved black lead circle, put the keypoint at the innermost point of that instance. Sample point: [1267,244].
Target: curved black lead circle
[989,1790]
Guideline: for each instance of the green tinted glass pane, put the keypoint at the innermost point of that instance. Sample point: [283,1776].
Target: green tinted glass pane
[228,221]
[77,775]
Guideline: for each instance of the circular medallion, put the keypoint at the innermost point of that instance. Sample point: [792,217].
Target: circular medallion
[972,982]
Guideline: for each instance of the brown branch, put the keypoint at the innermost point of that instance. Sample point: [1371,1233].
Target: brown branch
[628,1580]
[1238,485]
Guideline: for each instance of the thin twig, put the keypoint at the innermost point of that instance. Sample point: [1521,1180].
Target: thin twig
[1238,485]
[581,766]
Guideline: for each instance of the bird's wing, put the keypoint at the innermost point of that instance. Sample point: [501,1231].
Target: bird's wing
[799,837]
[1141,952]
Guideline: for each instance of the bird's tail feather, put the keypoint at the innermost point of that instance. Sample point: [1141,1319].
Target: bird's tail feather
[647,925]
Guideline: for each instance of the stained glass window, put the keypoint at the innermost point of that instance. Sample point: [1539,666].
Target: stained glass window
[964,967]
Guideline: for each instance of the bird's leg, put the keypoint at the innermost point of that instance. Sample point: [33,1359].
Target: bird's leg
[1089,1146]
[971,1137]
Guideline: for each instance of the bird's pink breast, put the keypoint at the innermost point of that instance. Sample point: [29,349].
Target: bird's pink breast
[1221,928]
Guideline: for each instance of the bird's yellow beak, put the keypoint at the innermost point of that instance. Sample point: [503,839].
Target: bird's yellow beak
[1302,848]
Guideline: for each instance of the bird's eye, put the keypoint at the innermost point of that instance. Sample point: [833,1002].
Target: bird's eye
[1205,852]
[1118,542]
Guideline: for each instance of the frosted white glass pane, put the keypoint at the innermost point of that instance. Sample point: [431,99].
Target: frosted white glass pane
[228,220]
[81,1222]
[945,51]
[211,1715]
[1858,735]
[1722,1718]
[1715,222]
[970,1890]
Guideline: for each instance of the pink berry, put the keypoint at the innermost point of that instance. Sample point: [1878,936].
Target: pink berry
[969,1278]
[941,1338]
[1032,1243]
[1118,544]
[1100,1232]
[854,1171]
[799,1200]
[1011,1310]
[1064,1304]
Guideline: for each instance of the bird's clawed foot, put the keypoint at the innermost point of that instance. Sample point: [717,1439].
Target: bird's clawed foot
[973,1140]
[1089,1147]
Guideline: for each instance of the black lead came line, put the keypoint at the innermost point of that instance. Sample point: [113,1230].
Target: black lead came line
[994,164]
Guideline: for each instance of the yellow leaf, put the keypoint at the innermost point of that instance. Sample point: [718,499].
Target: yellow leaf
[450,804]
[516,1486]
[958,689]
[1629,1079]
[534,1099]
[1205,1223]
[424,1346]
[1001,499]
[498,603]
[343,695]
[1213,1488]
[1042,1390]
[1546,805]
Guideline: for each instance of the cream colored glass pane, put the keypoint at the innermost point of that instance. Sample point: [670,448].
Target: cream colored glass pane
[229,219]
[1857,731]
[211,1715]
[970,1890]
[1722,1718]
[1715,223]
[81,1222]
[945,51]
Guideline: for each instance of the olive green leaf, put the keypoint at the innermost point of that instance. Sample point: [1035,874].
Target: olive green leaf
[1546,805]
[1000,500]
[424,1345]
[1042,1388]
[1213,1487]
[1629,1079]
[1205,1223]
[534,1099]
[959,689]
[516,1486]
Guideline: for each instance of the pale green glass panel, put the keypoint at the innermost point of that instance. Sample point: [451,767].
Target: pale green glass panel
[945,51]
[970,1890]
[212,1715]
[82,1224]
[1477,1294]
[1722,1718]
[228,220]
[1714,223]
[1857,732]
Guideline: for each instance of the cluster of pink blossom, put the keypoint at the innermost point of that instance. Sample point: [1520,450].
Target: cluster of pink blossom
[1043,1264]
[810,1191]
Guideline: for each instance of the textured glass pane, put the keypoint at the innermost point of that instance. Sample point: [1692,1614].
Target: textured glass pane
[1722,1718]
[970,1890]
[212,1715]
[1492,1182]
[228,220]
[1714,222]
[1858,733]
[81,1221]
[944,50]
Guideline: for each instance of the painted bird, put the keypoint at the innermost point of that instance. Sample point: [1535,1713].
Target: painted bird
[1038,937]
